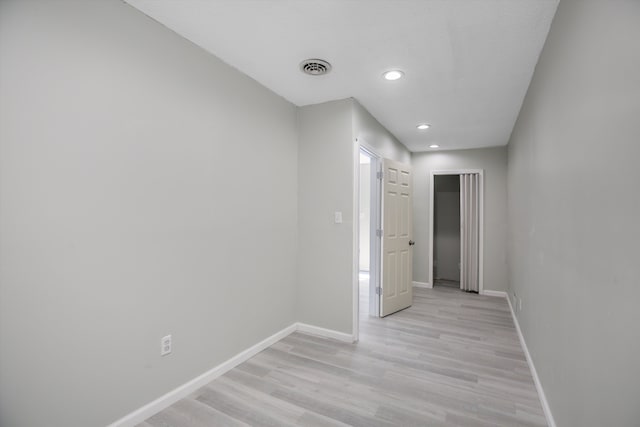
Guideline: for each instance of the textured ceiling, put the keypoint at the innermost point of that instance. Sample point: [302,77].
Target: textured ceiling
[467,63]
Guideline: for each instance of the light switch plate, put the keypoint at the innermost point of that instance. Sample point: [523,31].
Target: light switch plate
[165,345]
[337,217]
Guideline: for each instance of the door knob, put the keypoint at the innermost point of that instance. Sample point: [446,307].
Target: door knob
[411,243]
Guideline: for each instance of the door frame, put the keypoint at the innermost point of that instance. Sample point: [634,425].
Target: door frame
[480,173]
[374,240]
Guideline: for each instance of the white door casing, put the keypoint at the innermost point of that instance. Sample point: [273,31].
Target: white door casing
[397,254]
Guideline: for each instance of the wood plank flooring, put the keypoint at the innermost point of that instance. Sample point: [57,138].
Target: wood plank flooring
[452,359]
[448,283]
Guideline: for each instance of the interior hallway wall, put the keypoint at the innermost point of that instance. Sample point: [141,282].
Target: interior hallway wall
[325,185]
[494,162]
[368,130]
[327,164]
[574,209]
[146,189]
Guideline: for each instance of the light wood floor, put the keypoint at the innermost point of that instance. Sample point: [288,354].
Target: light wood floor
[448,283]
[452,359]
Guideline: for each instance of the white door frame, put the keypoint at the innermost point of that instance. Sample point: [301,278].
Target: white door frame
[480,172]
[374,241]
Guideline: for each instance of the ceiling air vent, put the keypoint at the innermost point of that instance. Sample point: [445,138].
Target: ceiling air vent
[315,67]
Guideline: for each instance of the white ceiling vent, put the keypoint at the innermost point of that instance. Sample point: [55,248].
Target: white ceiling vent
[315,67]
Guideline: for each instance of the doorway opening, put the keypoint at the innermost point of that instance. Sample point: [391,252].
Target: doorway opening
[368,243]
[456,256]
[382,194]
[446,231]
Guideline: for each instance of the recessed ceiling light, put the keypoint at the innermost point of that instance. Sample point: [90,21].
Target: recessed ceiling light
[434,146]
[423,126]
[393,75]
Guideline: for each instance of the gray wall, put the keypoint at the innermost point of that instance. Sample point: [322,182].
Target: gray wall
[574,205]
[146,188]
[325,185]
[494,163]
[326,162]
[368,130]
[446,227]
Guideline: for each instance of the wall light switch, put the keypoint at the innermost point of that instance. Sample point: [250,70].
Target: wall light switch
[165,345]
[337,217]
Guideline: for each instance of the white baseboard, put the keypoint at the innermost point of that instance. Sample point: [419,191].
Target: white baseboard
[323,332]
[422,285]
[189,387]
[180,392]
[543,398]
[490,293]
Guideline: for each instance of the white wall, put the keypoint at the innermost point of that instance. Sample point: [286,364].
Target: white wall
[146,188]
[574,205]
[494,163]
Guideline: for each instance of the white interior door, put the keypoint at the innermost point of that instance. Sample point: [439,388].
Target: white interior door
[397,256]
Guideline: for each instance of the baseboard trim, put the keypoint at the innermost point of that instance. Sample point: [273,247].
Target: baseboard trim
[180,392]
[323,332]
[543,398]
[490,293]
[422,285]
[189,387]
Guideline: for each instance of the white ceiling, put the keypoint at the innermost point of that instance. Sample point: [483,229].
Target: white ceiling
[467,63]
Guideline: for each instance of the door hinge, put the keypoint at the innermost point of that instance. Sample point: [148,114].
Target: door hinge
[379,233]
[378,290]
[380,175]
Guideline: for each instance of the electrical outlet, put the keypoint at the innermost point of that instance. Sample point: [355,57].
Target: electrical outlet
[165,345]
